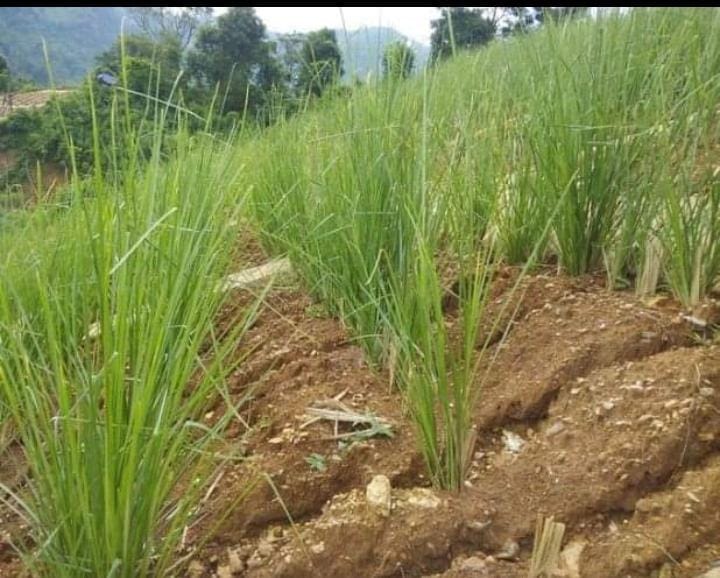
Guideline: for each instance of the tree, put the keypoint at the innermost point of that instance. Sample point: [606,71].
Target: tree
[159,22]
[398,60]
[321,61]
[459,27]
[4,75]
[234,55]
[151,65]
[515,19]
[290,47]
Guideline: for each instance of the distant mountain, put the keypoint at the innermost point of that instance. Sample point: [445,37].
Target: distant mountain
[74,37]
[363,49]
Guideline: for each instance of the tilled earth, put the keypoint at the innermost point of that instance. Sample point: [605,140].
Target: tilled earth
[598,408]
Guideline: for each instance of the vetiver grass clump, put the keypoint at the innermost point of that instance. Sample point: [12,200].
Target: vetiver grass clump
[107,356]
[586,143]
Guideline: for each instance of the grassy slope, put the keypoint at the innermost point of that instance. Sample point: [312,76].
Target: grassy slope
[598,133]
[611,123]
[107,301]
[587,144]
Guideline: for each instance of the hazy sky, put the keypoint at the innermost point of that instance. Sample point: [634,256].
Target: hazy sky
[412,22]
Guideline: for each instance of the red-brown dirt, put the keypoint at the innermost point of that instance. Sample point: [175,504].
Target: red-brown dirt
[613,402]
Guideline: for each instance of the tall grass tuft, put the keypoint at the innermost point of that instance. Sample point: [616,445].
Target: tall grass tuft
[438,362]
[586,143]
[107,356]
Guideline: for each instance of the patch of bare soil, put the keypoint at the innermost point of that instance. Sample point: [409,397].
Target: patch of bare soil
[598,408]
[299,358]
[12,529]
[12,102]
[595,405]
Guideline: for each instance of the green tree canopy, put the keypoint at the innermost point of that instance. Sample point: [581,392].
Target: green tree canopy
[460,27]
[321,61]
[234,54]
[398,60]
[4,74]
[152,66]
[159,22]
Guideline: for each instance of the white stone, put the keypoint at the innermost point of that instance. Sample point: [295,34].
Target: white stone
[555,429]
[378,494]
[256,275]
[475,566]
[570,558]
[512,441]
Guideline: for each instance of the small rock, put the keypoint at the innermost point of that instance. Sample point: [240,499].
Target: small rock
[423,498]
[512,441]
[196,569]
[509,551]
[712,573]
[235,563]
[378,494]
[698,322]
[254,561]
[224,572]
[474,565]
[257,275]
[707,391]
[318,548]
[570,558]
[645,505]
[274,441]
[265,549]
[476,526]
[666,571]
[555,429]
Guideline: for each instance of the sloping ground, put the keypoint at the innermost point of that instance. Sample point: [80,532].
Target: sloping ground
[14,101]
[613,405]
[615,401]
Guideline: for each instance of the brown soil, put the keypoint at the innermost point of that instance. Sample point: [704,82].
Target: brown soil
[614,402]
[32,99]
